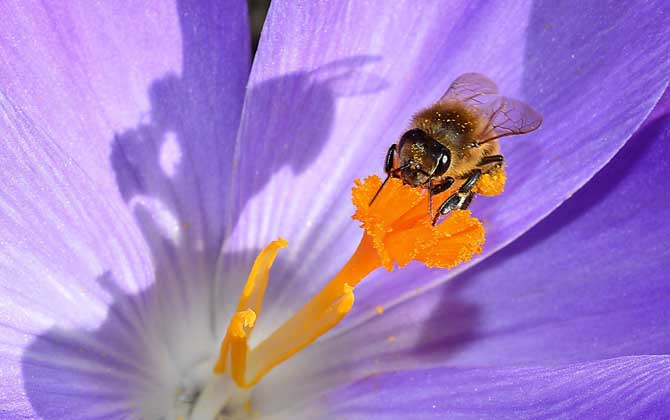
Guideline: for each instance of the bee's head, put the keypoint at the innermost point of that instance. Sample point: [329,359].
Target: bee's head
[421,157]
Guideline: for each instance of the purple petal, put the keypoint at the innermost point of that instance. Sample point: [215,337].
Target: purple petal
[589,282]
[335,84]
[623,388]
[109,111]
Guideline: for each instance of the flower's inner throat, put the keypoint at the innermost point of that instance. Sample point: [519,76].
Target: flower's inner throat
[397,230]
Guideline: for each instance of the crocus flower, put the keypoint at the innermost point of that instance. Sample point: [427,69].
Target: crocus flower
[144,169]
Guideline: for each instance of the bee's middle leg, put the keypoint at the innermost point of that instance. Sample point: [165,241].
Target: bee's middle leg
[487,160]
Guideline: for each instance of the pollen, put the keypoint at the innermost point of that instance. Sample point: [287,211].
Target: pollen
[492,183]
[397,229]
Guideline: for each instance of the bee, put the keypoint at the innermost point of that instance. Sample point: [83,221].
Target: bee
[456,141]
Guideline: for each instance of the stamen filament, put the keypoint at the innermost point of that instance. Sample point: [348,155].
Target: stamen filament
[318,316]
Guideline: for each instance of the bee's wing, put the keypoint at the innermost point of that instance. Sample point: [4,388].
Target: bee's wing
[469,87]
[505,116]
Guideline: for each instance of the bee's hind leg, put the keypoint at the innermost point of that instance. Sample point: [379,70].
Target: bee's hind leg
[467,201]
[460,199]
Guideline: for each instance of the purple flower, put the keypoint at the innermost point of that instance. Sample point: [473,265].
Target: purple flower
[140,180]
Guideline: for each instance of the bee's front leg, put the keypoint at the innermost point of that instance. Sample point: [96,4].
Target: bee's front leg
[460,199]
[436,189]
[390,159]
[443,186]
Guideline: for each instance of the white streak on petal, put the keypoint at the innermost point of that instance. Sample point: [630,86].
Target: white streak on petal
[170,154]
[166,222]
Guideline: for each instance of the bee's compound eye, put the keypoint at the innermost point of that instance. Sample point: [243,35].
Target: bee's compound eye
[443,161]
[415,133]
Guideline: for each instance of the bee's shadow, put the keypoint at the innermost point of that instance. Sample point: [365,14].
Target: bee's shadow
[181,159]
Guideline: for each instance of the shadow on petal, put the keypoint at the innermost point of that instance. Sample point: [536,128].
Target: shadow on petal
[79,374]
[180,157]
[149,352]
[450,328]
[173,170]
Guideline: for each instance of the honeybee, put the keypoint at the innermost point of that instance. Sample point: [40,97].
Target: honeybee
[455,140]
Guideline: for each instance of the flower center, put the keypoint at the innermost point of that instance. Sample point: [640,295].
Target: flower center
[397,230]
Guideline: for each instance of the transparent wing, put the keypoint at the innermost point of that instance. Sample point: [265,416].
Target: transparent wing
[506,117]
[469,87]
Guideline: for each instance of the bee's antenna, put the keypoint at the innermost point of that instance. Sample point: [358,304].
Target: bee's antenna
[430,196]
[380,189]
[388,175]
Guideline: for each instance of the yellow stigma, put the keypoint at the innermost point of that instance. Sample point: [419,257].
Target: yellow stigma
[397,230]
